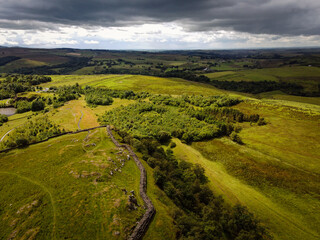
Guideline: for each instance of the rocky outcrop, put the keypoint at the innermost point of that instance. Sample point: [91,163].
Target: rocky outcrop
[142,226]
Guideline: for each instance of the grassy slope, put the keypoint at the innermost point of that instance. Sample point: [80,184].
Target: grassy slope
[271,74]
[68,205]
[291,136]
[305,76]
[271,172]
[282,222]
[289,100]
[21,63]
[136,83]
[67,116]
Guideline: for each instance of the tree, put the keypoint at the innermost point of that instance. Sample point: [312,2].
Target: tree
[37,105]
[236,138]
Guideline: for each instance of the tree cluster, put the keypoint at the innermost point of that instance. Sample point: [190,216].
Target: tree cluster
[201,214]
[16,83]
[195,100]
[160,121]
[3,119]
[96,96]
[258,86]
[8,59]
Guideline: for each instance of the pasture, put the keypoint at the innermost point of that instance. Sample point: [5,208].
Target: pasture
[137,83]
[63,188]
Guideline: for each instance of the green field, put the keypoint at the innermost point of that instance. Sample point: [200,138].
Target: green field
[58,185]
[308,77]
[21,63]
[136,83]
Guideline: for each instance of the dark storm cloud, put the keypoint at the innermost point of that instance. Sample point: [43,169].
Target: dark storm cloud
[292,17]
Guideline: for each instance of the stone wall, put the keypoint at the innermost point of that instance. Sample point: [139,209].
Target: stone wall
[142,226]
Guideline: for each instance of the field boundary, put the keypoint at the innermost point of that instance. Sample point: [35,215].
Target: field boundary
[142,226]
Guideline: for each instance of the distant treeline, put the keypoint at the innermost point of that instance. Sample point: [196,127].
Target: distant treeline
[5,60]
[74,64]
[257,86]
[264,86]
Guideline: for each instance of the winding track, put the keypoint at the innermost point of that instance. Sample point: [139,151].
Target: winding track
[80,120]
[53,233]
[142,226]
[6,134]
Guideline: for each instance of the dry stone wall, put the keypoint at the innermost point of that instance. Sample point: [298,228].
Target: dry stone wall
[142,226]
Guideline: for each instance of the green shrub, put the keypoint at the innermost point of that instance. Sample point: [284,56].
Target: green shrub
[23,106]
[261,122]
[173,145]
[37,105]
[3,119]
[236,138]
[22,142]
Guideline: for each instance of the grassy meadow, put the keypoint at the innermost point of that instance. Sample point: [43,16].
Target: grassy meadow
[136,83]
[65,184]
[308,77]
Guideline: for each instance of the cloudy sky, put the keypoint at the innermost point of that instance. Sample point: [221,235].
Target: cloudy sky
[160,24]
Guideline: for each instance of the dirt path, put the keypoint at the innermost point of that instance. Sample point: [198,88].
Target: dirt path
[142,226]
[80,120]
[6,134]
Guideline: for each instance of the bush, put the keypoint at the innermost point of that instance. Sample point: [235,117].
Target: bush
[236,138]
[37,105]
[261,122]
[164,137]
[3,119]
[173,145]
[57,104]
[22,142]
[23,106]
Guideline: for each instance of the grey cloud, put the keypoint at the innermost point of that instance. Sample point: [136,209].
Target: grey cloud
[285,17]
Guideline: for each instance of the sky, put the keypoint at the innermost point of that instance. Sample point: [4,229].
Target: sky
[160,24]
